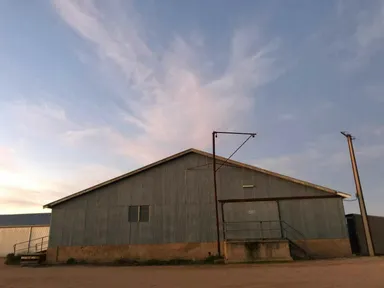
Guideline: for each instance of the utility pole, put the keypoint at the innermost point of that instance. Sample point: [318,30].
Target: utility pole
[359,194]
[214,135]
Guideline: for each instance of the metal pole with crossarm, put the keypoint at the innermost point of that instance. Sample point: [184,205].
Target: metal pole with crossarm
[214,135]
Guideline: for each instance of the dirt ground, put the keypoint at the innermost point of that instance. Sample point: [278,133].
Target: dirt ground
[358,272]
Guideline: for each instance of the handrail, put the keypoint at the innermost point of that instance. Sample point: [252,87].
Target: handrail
[252,221]
[35,245]
[30,240]
[259,231]
[265,229]
[294,229]
[302,237]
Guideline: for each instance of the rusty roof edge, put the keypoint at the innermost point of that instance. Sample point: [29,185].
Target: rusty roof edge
[193,150]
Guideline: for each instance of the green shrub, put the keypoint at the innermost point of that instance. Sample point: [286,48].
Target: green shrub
[213,259]
[124,261]
[12,259]
[71,261]
[176,261]
[181,262]
[154,262]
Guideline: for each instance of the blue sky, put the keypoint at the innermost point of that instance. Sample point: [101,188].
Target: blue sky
[93,89]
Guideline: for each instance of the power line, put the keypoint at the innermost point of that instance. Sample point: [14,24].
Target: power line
[238,148]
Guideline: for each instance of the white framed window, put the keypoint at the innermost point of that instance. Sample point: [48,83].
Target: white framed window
[138,213]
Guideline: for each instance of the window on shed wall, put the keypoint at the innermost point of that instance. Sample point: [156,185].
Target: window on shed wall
[144,213]
[138,213]
[133,214]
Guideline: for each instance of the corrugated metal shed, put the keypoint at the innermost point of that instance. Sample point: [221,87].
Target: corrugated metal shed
[22,228]
[357,234]
[180,197]
[36,219]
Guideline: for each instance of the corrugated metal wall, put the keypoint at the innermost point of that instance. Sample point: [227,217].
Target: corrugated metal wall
[39,231]
[12,235]
[357,234]
[315,218]
[181,202]
[252,220]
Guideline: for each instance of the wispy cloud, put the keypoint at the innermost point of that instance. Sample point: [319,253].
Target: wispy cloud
[18,186]
[14,196]
[287,116]
[113,141]
[370,27]
[376,92]
[367,37]
[135,85]
[32,185]
[169,100]
[7,161]
[38,118]
[326,152]
[326,161]
[379,131]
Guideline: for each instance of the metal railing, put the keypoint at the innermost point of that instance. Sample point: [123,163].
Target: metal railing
[264,230]
[36,245]
[248,230]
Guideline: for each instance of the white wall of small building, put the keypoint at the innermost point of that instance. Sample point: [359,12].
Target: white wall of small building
[9,236]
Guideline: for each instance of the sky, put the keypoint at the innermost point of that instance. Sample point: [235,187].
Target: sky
[90,90]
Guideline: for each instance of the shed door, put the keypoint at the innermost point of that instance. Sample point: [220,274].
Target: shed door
[252,220]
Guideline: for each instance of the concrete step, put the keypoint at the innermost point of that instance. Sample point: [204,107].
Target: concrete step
[32,259]
[257,250]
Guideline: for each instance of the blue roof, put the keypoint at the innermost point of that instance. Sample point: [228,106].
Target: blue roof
[25,219]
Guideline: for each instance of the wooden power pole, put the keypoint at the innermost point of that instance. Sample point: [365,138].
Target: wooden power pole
[359,194]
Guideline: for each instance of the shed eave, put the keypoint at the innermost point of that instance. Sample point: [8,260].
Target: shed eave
[343,195]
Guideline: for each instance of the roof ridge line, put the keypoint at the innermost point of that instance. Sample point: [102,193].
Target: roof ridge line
[203,153]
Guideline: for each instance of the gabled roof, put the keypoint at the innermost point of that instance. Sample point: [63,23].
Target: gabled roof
[192,150]
[36,219]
